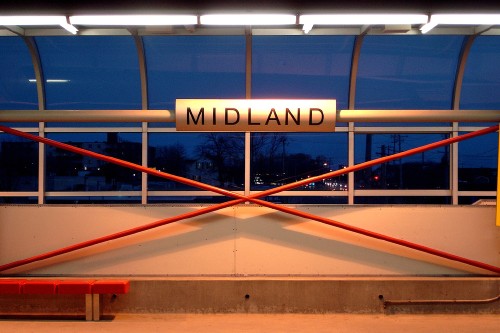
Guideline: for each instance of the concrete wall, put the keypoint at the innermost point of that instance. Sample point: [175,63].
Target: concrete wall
[278,295]
[248,240]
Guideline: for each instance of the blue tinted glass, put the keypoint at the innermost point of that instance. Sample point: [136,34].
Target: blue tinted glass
[407,72]
[16,71]
[211,158]
[481,84]
[194,67]
[90,72]
[67,171]
[302,67]
[477,163]
[19,164]
[427,170]
[279,159]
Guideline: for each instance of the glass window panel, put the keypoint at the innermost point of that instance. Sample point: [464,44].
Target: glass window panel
[477,163]
[194,67]
[302,67]
[18,164]
[481,82]
[427,170]
[17,86]
[314,67]
[17,92]
[67,171]
[279,159]
[407,72]
[212,158]
[90,72]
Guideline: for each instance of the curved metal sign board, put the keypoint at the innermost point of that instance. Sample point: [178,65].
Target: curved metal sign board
[255,115]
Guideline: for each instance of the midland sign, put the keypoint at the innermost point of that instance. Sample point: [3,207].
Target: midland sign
[255,115]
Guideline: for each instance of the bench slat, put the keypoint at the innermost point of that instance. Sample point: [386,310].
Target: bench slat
[40,287]
[71,286]
[11,286]
[91,288]
[111,287]
[67,287]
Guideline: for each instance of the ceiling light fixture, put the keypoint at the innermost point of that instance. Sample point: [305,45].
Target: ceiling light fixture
[119,20]
[428,27]
[460,19]
[307,27]
[248,19]
[69,27]
[61,21]
[309,21]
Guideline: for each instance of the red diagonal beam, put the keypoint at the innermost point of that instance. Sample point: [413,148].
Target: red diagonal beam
[252,198]
[386,238]
[117,235]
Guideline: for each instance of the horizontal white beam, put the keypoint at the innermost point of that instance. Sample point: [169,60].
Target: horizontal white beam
[87,116]
[418,115]
[169,116]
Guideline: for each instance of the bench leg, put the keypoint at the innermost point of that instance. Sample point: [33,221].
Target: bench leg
[88,307]
[96,307]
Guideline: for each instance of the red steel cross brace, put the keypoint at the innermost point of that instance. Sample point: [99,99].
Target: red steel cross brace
[254,198]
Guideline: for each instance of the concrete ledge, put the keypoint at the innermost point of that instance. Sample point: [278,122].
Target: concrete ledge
[281,295]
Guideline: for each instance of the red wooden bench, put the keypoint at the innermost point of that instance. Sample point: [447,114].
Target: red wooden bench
[91,288]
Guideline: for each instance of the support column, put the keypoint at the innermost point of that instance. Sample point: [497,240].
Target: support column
[248,95]
[96,307]
[351,105]
[40,88]
[88,307]
[144,102]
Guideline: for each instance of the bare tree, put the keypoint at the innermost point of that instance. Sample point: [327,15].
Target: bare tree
[224,151]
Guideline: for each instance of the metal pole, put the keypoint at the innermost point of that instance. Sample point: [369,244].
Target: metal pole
[418,115]
[87,116]
[169,116]
[117,235]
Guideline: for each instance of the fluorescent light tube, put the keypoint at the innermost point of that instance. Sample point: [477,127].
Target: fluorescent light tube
[461,19]
[363,19]
[108,20]
[247,19]
[38,20]
[466,19]
[32,20]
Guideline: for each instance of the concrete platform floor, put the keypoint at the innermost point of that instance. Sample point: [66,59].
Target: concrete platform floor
[152,323]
